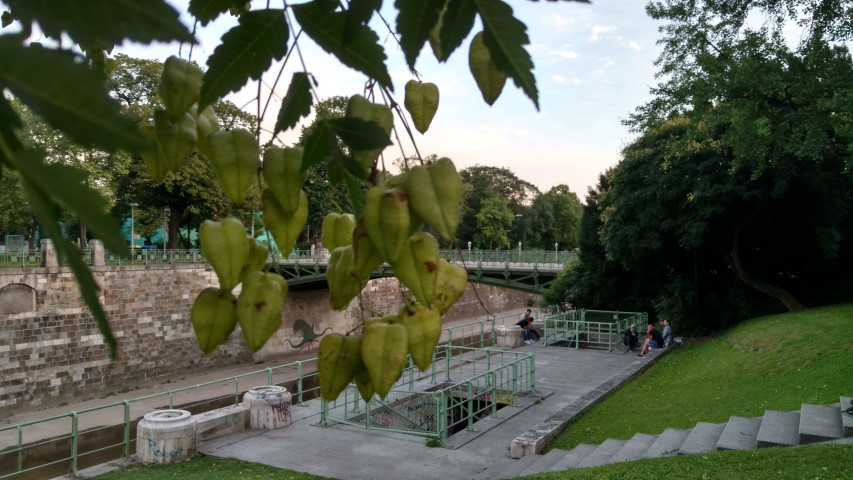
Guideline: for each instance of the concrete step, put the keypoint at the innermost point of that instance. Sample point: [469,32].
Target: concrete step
[819,423]
[702,439]
[847,416]
[603,453]
[544,462]
[779,429]
[573,458]
[517,466]
[668,443]
[636,447]
[740,433]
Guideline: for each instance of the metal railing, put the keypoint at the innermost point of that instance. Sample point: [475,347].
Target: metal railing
[145,256]
[83,443]
[15,446]
[597,328]
[21,259]
[476,382]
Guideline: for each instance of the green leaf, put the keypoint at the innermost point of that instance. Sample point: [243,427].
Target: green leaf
[355,192]
[47,213]
[358,14]
[98,23]
[359,134]
[246,51]
[6,19]
[296,104]
[506,36]
[207,10]
[362,53]
[68,95]
[68,186]
[414,22]
[319,145]
[456,24]
[9,122]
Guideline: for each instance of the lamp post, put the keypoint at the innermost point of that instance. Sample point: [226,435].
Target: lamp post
[519,251]
[132,233]
[556,249]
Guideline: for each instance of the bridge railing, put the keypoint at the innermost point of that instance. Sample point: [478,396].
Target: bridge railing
[146,256]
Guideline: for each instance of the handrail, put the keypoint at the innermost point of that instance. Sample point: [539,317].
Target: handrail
[145,256]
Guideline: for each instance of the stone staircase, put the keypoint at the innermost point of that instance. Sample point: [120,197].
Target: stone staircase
[811,424]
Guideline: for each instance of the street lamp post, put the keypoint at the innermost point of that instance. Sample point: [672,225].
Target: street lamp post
[132,233]
[556,249]
[519,251]
[469,250]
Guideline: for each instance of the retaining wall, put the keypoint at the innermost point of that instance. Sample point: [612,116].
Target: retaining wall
[51,349]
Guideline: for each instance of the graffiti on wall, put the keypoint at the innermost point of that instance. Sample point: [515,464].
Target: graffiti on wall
[310,338]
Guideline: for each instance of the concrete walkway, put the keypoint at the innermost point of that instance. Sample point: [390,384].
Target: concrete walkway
[563,375]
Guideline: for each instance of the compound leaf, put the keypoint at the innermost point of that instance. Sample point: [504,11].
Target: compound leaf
[246,51]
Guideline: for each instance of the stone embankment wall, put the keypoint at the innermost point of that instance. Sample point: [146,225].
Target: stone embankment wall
[51,349]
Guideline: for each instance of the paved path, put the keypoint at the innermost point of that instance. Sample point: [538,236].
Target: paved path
[346,452]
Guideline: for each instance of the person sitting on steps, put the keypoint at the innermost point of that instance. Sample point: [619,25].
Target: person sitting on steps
[668,338]
[653,340]
[631,338]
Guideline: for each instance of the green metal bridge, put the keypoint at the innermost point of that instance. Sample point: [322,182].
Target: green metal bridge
[529,271]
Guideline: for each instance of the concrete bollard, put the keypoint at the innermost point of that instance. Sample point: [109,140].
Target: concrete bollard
[269,407]
[508,336]
[166,436]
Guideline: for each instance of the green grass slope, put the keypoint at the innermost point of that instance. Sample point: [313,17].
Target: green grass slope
[775,362]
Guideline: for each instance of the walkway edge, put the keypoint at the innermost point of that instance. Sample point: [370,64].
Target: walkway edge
[535,439]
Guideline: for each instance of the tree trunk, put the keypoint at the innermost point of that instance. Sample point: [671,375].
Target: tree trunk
[779,293]
[33,232]
[84,240]
[176,215]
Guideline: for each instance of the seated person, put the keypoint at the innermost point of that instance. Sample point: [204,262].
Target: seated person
[653,340]
[528,333]
[631,339]
[668,338]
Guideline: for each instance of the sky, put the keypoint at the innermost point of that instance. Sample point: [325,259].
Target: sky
[593,65]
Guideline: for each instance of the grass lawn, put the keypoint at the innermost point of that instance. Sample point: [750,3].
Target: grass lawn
[775,362]
[207,468]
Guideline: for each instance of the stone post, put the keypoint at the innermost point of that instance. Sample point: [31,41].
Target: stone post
[96,247]
[48,254]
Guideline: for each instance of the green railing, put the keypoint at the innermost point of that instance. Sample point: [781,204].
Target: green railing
[476,382]
[21,259]
[144,256]
[83,443]
[15,445]
[597,328]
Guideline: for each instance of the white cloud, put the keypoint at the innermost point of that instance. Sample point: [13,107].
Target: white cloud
[567,54]
[597,30]
[634,46]
[560,21]
[558,78]
[576,80]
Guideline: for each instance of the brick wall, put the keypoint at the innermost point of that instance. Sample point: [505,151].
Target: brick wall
[56,351]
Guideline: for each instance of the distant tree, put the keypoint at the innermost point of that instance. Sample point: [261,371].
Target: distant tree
[485,181]
[493,222]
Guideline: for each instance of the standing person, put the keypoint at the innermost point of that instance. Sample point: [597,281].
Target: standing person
[668,338]
[631,338]
[653,340]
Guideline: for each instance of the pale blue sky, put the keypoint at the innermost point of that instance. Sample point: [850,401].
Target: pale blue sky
[593,64]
